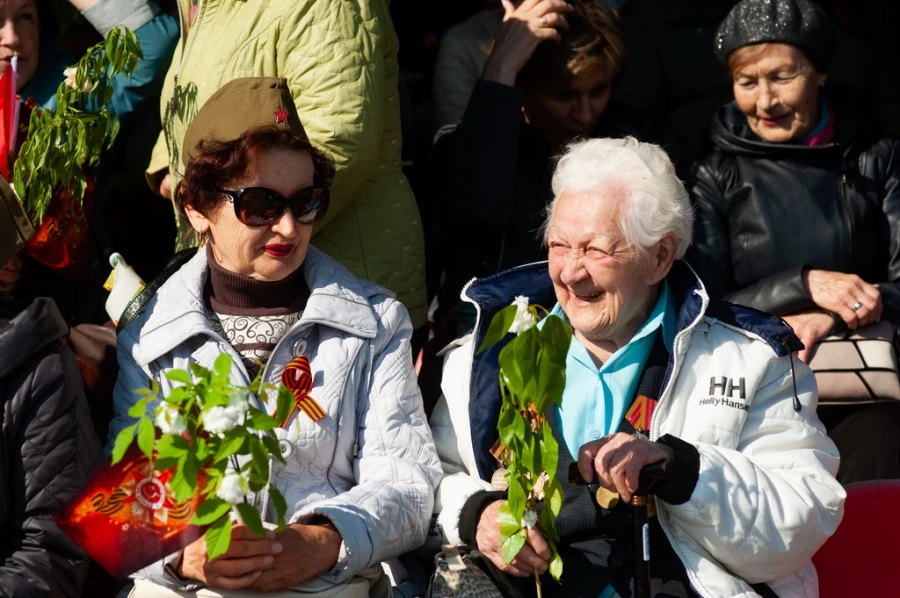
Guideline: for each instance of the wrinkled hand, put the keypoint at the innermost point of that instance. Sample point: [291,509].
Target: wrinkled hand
[810,327]
[165,186]
[522,30]
[308,551]
[243,563]
[10,275]
[535,553]
[617,460]
[838,292]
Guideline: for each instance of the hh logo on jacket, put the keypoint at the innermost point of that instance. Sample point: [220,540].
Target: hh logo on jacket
[726,392]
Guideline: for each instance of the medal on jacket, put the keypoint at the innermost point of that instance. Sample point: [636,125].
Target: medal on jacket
[297,377]
[640,413]
[607,498]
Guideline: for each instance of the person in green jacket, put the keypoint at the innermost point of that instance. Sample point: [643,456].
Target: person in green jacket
[340,60]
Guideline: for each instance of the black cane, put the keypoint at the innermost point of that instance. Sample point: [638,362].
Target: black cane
[650,475]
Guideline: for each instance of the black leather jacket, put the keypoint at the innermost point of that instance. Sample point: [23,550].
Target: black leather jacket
[47,450]
[765,211]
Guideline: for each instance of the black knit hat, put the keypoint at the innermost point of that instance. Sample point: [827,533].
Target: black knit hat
[796,22]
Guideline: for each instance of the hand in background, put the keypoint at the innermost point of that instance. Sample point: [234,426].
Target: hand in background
[810,327]
[839,292]
[165,186]
[522,30]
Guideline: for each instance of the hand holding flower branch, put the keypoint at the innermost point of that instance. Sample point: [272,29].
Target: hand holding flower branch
[204,426]
[532,379]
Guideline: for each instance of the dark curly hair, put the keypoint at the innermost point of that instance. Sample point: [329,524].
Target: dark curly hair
[220,161]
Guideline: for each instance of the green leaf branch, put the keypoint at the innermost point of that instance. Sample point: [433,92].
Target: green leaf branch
[199,430]
[62,142]
[532,379]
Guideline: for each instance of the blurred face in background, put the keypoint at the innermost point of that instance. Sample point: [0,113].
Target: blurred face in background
[571,111]
[20,36]
[777,89]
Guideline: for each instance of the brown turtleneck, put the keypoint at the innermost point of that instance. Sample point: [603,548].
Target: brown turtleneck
[251,314]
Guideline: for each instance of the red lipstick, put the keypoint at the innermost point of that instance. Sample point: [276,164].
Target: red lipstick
[279,250]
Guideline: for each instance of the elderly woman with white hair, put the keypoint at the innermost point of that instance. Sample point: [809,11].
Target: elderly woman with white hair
[657,371]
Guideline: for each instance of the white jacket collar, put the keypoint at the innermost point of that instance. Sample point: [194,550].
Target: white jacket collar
[178,312]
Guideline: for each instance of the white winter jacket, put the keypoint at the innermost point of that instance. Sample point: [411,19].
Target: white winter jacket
[766,498]
[370,466]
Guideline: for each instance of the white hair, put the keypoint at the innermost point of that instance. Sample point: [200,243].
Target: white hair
[655,201]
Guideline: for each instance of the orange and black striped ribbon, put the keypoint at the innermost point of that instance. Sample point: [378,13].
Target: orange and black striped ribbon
[297,377]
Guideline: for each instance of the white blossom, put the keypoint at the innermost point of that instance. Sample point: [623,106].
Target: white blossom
[70,74]
[529,519]
[231,490]
[170,420]
[238,404]
[524,318]
[217,420]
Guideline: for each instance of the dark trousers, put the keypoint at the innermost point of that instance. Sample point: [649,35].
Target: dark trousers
[868,438]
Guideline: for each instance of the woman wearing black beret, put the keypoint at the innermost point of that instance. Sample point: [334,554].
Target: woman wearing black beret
[798,205]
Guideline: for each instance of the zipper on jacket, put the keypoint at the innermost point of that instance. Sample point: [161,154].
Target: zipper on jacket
[848,216]
[654,432]
[467,299]
[263,507]
[797,405]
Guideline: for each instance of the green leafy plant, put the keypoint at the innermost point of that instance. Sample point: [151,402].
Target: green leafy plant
[200,429]
[532,379]
[62,142]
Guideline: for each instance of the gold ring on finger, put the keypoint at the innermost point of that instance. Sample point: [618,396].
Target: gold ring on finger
[544,21]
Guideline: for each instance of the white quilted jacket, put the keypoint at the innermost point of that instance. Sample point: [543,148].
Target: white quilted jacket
[370,466]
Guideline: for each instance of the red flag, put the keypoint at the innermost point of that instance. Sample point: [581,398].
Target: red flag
[126,516]
[9,116]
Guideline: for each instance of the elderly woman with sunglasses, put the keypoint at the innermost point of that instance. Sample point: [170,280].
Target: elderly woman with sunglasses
[359,481]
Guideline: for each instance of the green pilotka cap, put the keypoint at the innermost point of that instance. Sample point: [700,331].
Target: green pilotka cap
[239,106]
[15,227]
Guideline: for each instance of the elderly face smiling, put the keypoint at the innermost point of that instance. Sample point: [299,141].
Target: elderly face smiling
[607,280]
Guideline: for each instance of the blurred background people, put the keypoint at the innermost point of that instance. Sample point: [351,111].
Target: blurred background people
[678,84]
[548,80]
[463,50]
[48,447]
[798,204]
[121,216]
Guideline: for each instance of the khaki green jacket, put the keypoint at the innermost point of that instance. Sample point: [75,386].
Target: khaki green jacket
[340,60]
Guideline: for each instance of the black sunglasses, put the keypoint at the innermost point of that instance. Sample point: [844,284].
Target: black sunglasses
[259,206]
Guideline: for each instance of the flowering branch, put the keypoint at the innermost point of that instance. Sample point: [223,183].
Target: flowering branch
[204,425]
[61,142]
[532,379]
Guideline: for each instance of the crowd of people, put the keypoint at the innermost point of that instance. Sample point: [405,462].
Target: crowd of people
[707,193]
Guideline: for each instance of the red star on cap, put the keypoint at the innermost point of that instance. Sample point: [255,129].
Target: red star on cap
[281,116]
